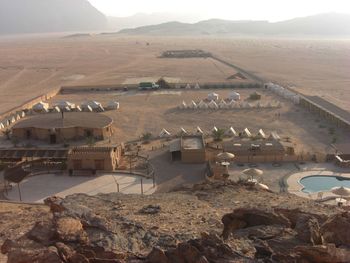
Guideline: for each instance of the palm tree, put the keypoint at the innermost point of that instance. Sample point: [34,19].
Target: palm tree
[218,134]
[146,137]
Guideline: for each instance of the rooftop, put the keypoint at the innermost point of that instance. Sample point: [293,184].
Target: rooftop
[70,120]
[192,142]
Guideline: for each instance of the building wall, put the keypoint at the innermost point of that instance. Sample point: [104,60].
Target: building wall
[193,156]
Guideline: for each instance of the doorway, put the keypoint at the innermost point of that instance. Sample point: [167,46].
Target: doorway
[53,139]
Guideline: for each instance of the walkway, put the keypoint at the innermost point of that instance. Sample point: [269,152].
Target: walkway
[35,189]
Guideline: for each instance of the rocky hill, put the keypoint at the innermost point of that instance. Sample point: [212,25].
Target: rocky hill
[331,24]
[212,222]
[39,16]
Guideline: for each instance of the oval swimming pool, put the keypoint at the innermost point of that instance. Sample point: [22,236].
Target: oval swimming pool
[323,183]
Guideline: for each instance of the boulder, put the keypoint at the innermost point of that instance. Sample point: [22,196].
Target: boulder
[43,233]
[248,217]
[323,254]
[44,255]
[69,229]
[337,229]
[150,209]
[308,230]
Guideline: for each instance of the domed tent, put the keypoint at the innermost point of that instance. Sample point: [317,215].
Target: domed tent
[113,105]
[213,97]
[234,96]
[41,107]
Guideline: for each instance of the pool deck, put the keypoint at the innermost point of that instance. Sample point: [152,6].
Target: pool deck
[295,187]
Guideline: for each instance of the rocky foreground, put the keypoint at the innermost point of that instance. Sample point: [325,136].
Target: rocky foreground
[211,222]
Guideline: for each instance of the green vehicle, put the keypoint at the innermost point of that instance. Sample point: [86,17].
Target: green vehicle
[148,86]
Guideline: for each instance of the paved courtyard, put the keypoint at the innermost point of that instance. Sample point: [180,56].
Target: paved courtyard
[35,189]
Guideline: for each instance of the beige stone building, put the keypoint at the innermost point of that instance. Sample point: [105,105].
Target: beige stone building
[188,149]
[94,158]
[54,128]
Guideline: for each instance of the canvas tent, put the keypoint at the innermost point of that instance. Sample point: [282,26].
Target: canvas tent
[247,133]
[113,105]
[231,132]
[199,130]
[197,86]
[2,126]
[183,131]
[202,105]
[213,105]
[234,96]
[63,105]
[164,133]
[213,96]
[188,86]
[214,129]
[261,134]
[274,136]
[193,105]
[222,105]
[183,105]
[56,109]
[41,107]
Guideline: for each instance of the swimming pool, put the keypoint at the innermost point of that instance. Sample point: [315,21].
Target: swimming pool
[318,183]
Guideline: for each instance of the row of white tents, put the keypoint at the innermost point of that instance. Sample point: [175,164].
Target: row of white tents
[66,106]
[227,105]
[11,119]
[283,92]
[231,132]
[232,96]
[195,86]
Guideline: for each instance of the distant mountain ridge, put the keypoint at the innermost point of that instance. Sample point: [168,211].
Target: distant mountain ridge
[330,24]
[40,16]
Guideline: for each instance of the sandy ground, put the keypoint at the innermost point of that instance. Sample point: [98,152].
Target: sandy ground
[31,66]
[152,111]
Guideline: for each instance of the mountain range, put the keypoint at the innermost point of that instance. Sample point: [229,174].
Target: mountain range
[330,24]
[40,16]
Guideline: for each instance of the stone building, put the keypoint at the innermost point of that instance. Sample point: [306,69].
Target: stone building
[57,128]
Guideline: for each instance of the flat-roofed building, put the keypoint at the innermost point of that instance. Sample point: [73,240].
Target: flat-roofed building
[188,149]
[94,158]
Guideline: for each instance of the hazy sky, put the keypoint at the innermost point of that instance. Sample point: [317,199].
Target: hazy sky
[272,10]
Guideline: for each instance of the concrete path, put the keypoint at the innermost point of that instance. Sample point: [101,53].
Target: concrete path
[35,189]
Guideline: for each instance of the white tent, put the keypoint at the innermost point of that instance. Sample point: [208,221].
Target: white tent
[113,105]
[214,129]
[87,108]
[234,96]
[183,105]
[213,96]
[202,105]
[261,134]
[93,104]
[247,133]
[56,109]
[63,105]
[41,106]
[213,105]
[231,132]
[18,117]
[2,126]
[100,109]
[23,114]
[274,136]
[199,130]
[67,109]
[77,108]
[183,131]
[193,105]
[222,105]
[197,86]
[164,133]
[188,86]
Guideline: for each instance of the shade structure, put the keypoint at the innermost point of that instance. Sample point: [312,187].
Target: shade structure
[252,172]
[342,191]
[340,200]
[164,133]
[225,156]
